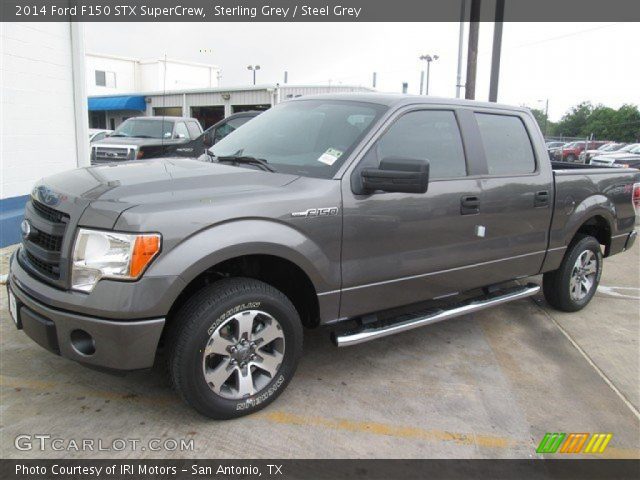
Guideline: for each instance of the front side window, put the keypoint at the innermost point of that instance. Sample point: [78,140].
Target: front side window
[181,130]
[228,127]
[303,137]
[506,144]
[431,135]
[139,128]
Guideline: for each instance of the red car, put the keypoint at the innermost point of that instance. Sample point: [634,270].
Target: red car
[571,152]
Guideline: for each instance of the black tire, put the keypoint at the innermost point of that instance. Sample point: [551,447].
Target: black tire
[201,315]
[556,285]
[571,158]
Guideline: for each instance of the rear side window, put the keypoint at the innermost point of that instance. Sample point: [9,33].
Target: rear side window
[506,144]
[432,135]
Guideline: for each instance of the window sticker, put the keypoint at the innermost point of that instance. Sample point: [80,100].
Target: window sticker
[330,156]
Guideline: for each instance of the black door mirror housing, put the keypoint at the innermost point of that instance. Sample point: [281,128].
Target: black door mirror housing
[405,175]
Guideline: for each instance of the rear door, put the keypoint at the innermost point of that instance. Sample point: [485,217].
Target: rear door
[517,194]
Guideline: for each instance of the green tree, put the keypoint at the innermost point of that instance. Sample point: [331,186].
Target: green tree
[604,123]
[573,123]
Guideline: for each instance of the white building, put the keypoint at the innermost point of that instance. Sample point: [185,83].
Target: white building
[208,105]
[116,77]
[43,105]
[110,74]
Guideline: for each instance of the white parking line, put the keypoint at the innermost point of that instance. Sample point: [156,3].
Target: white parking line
[612,291]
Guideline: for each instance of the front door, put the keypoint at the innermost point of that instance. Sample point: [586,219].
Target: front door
[401,248]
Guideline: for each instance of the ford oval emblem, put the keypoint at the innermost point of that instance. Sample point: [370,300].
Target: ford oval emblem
[47,196]
[25,228]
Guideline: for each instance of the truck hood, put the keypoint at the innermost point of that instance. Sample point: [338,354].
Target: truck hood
[116,141]
[107,190]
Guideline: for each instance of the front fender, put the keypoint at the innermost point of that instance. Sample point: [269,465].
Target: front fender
[236,238]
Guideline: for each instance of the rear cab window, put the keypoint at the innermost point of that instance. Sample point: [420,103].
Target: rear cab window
[507,145]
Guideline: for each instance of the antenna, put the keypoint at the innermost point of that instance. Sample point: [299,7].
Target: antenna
[164,98]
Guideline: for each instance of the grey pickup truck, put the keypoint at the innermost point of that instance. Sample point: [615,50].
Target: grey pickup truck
[365,214]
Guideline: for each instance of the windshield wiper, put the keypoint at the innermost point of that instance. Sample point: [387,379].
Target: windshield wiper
[239,159]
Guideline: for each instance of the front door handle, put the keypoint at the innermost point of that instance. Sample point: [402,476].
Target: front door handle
[541,199]
[469,205]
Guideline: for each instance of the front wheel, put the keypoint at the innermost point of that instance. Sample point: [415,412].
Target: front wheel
[572,286]
[235,347]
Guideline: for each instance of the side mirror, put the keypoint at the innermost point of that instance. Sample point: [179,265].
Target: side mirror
[406,175]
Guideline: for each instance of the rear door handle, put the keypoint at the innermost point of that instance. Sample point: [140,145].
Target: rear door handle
[469,205]
[541,199]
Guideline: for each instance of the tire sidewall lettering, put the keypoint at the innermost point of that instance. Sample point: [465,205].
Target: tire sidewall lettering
[231,312]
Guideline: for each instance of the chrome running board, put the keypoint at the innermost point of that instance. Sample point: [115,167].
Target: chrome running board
[368,333]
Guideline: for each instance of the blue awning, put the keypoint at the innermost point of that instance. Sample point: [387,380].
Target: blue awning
[120,102]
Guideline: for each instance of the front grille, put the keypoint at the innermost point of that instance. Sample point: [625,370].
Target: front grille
[111,154]
[48,212]
[52,243]
[48,269]
[43,247]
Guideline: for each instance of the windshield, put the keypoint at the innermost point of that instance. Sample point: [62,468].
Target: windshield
[144,128]
[628,148]
[303,137]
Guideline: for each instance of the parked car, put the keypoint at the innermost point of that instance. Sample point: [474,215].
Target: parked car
[555,144]
[624,159]
[197,148]
[145,137]
[571,152]
[555,152]
[97,134]
[345,211]
[586,155]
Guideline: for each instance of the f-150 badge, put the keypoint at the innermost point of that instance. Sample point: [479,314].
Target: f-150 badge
[316,212]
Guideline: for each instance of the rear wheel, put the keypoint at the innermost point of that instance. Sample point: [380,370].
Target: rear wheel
[236,345]
[572,286]
[571,158]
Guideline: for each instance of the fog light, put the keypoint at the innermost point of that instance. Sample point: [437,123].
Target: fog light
[83,342]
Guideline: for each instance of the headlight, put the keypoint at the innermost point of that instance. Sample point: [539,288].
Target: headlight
[122,256]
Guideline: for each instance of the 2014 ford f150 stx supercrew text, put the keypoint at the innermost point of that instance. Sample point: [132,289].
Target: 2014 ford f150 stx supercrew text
[368,214]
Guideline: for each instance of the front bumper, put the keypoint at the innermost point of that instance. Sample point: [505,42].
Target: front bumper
[112,344]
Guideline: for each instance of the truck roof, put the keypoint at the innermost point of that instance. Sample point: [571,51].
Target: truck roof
[400,99]
[166,117]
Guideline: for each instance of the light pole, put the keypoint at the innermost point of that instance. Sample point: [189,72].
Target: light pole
[428,59]
[546,115]
[254,68]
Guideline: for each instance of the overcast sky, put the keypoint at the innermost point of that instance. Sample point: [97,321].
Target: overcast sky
[563,62]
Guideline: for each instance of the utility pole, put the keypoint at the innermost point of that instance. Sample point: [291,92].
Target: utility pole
[405,87]
[375,78]
[421,81]
[463,7]
[286,76]
[495,55]
[472,51]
